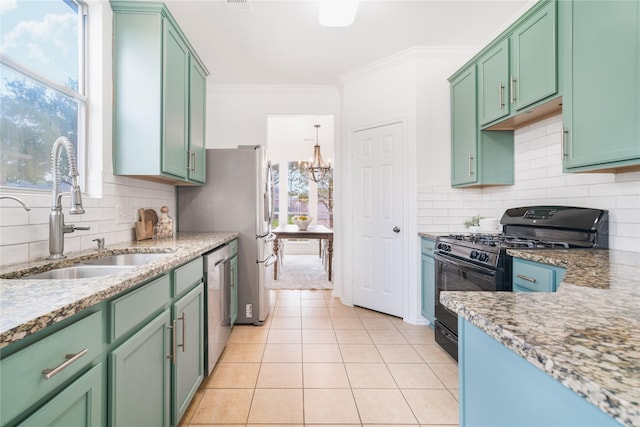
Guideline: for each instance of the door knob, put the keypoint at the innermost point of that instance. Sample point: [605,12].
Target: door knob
[396,229]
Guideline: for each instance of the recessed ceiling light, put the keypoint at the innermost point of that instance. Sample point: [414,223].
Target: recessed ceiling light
[337,13]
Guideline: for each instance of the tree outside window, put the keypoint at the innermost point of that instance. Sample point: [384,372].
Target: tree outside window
[41,88]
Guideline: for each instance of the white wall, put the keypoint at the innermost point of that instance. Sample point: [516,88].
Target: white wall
[237,115]
[410,86]
[24,235]
[539,180]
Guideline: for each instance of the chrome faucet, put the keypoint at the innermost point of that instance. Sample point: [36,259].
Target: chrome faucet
[57,227]
[25,207]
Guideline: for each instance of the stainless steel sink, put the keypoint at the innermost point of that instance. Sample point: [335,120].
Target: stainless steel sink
[80,272]
[127,259]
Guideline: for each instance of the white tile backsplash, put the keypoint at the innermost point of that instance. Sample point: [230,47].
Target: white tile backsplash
[539,180]
[24,235]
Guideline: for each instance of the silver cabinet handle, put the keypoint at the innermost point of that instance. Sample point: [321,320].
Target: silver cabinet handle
[501,95]
[220,262]
[563,142]
[188,160]
[527,278]
[470,165]
[396,229]
[513,90]
[184,331]
[193,163]
[174,348]
[71,358]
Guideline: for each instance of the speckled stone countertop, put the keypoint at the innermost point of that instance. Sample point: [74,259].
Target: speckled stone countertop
[586,335]
[432,234]
[27,306]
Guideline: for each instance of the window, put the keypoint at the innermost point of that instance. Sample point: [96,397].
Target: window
[298,190]
[325,200]
[42,88]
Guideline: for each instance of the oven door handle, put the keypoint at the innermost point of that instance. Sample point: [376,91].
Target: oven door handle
[458,263]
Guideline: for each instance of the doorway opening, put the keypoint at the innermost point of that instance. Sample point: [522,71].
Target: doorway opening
[290,148]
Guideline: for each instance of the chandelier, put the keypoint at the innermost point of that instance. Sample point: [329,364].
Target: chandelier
[317,168]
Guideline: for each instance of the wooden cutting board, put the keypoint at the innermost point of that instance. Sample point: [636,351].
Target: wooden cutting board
[141,227]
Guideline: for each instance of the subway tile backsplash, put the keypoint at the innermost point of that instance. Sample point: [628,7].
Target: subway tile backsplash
[539,180]
[24,235]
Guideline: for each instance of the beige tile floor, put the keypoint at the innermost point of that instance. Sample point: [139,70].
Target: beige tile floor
[318,362]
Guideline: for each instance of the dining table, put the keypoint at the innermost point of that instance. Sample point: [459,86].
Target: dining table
[290,231]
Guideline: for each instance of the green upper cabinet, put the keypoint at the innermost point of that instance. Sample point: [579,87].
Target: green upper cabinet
[464,127]
[197,123]
[175,102]
[519,70]
[477,157]
[601,100]
[159,97]
[493,78]
[533,63]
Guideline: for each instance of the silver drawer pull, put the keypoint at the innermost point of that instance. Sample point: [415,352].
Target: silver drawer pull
[527,278]
[71,358]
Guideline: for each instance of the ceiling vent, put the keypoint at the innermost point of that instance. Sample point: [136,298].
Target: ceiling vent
[240,6]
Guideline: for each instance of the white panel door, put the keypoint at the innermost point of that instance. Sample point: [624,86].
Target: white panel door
[377,220]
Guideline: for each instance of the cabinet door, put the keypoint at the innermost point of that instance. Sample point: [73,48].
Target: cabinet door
[601,107]
[464,128]
[428,288]
[175,102]
[493,77]
[533,60]
[233,285]
[188,349]
[80,404]
[197,114]
[139,372]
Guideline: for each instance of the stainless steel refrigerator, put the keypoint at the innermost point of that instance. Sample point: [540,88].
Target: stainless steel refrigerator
[238,196]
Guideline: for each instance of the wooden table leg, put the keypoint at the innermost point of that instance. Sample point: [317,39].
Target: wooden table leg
[330,254]
[275,264]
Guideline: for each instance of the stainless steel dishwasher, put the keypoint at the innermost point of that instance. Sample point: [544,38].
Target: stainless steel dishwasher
[217,272]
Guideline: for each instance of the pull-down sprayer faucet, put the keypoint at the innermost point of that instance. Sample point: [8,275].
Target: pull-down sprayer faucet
[57,227]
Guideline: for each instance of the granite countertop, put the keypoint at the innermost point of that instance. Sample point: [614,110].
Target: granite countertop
[27,306]
[586,335]
[433,234]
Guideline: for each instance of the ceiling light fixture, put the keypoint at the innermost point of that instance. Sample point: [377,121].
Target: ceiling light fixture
[317,168]
[337,13]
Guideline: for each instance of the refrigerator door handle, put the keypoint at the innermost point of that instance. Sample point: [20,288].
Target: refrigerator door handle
[269,261]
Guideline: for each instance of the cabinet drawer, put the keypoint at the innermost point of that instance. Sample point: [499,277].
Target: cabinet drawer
[23,382]
[188,275]
[532,277]
[428,246]
[132,308]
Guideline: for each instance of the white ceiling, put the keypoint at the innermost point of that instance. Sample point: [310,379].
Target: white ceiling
[281,42]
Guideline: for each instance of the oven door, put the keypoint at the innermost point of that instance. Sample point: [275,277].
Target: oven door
[453,274]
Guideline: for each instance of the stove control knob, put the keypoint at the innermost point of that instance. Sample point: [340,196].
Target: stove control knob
[474,254]
[483,257]
[448,248]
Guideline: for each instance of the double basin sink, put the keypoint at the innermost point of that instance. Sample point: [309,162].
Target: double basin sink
[104,266]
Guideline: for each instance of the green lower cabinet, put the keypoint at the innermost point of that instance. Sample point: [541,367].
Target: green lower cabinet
[530,276]
[601,107]
[188,368]
[499,388]
[80,404]
[140,377]
[428,279]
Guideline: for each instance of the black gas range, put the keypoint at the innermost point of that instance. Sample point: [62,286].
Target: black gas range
[479,261]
